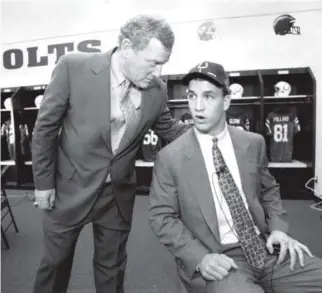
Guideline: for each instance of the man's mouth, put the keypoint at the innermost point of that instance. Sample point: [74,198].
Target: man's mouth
[199,118]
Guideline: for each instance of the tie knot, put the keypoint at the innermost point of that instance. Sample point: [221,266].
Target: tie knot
[215,142]
[125,90]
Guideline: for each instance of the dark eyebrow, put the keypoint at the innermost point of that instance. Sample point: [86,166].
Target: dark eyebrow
[206,92]
[209,92]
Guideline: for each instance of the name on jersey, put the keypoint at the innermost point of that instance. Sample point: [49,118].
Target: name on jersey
[281,119]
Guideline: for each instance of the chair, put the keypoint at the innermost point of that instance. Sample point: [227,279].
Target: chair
[5,206]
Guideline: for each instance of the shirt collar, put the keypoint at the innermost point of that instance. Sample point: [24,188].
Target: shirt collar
[204,136]
[117,77]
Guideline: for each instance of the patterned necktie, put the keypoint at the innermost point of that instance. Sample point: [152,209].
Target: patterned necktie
[253,245]
[131,115]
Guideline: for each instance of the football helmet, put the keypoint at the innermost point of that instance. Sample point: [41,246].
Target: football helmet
[207,31]
[7,103]
[237,90]
[282,89]
[285,24]
[38,101]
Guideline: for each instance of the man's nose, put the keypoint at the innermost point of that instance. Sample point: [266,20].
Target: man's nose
[199,104]
[157,70]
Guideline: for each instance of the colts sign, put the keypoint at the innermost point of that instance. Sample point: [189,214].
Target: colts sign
[14,58]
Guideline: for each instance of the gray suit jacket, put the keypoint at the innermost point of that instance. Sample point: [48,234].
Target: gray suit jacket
[71,149]
[181,208]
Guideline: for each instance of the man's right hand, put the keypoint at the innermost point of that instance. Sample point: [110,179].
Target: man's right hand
[45,199]
[215,266]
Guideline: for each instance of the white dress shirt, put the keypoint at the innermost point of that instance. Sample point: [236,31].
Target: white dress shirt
[225,222]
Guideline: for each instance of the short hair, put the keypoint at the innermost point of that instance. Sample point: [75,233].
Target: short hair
[142,28]
[226,90]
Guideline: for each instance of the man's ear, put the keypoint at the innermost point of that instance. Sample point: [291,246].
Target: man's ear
[227,100]
[125,47]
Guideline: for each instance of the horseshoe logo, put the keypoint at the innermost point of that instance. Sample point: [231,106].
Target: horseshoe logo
[202,65]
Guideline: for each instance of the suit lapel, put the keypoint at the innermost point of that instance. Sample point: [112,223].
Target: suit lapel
[241,146]
[101,68]
[198,179]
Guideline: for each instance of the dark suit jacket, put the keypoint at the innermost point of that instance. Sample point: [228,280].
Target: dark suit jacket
[182,211]
[72,137]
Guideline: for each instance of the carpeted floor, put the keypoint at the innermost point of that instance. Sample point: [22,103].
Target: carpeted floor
[150,267]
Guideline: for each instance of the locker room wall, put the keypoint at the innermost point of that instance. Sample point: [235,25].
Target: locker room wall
[245,37]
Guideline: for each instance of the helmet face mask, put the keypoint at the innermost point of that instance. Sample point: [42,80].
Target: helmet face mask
[236,90]
[295,30]
[282,89]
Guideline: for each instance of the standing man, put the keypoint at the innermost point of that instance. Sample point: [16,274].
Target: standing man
[93,118]
[216,207]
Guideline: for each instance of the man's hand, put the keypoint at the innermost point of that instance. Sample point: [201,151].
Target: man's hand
[214,266]
[287,244]
[45,199]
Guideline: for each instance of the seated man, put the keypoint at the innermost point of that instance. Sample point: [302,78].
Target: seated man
[216,207]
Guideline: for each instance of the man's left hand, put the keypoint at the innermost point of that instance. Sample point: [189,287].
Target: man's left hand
[287,244]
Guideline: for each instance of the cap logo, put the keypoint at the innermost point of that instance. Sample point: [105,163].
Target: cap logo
[202,65]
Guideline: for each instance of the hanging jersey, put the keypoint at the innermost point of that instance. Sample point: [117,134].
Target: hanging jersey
[8,136]
[239,120]
[187,118]
[150,146]
[281,127]
[7,132]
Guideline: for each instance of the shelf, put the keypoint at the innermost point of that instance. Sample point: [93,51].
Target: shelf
[242,73]
[177,101]
[245,98]
[288,97]
[293,164]
[8,163]
[35,87]
[141,163]
[8,90]
[30,108]
[5,110]
[284,71]
[138,163]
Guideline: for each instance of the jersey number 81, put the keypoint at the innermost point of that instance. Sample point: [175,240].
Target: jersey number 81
[280,133]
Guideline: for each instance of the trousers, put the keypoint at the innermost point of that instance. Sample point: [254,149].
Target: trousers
[272,279]
[110,234]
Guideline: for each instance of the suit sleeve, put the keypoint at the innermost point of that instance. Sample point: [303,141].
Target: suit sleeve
[167,127]
[270,195]
[49,120]
[164,218]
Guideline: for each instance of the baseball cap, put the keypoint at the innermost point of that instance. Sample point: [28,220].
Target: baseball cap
[212,72]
